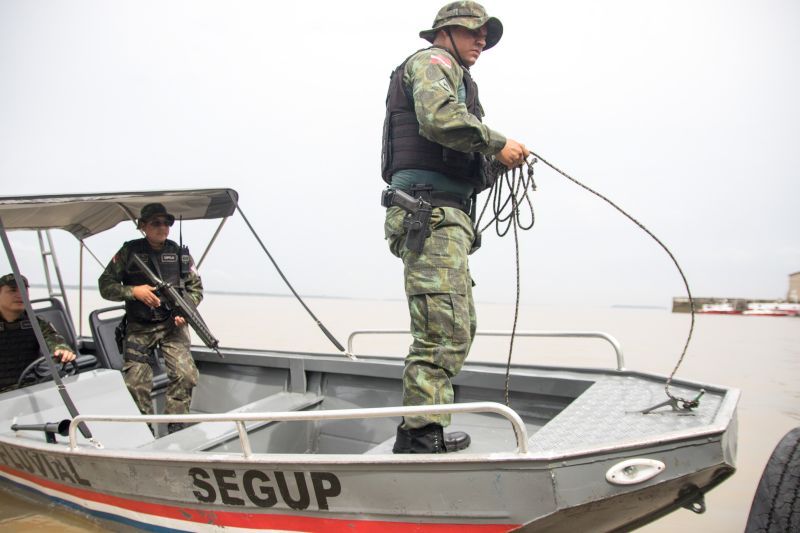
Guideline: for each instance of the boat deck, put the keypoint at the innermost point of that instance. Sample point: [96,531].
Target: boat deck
[609,413]
[602,410]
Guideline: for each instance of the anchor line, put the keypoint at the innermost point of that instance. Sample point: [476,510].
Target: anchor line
[689,404]
[503,173]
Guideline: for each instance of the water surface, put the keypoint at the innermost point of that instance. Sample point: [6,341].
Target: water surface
[758,355]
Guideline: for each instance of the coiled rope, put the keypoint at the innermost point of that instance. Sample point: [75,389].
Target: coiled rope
[518,192]
[506,210]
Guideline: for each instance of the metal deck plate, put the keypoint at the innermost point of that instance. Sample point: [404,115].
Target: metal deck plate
[609,414]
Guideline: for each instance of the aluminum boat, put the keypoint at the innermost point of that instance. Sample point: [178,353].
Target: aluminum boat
[294,441]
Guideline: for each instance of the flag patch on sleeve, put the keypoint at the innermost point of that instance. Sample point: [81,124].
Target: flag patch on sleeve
[436,59]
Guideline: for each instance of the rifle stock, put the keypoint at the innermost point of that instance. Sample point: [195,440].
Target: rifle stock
[183,306]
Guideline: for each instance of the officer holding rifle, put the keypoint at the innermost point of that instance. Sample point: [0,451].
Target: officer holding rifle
[151,321]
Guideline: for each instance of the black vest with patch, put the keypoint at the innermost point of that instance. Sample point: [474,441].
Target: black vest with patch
[404,148]
[165,263]
[18,349]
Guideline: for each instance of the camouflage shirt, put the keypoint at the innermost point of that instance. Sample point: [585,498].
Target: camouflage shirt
[434,78]
[112,288]
[53,339]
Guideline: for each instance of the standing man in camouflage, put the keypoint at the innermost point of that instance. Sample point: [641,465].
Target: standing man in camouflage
[149,322]
[435,147]
[18,344]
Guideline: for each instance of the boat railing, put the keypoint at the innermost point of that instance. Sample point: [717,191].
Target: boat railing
[489,333]
[239,419]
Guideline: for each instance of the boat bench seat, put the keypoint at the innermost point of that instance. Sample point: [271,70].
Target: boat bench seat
[208,434]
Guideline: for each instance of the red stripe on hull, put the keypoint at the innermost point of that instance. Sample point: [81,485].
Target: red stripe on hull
[252,520]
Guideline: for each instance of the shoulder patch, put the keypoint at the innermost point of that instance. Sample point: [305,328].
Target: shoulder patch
[437,59]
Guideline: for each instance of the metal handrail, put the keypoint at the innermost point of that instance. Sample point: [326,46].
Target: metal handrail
[520,432]
[488,333]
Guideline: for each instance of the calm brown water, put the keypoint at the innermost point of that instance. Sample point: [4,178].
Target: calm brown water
[758,355]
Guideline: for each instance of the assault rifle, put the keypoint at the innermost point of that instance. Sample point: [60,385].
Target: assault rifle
[183,306]
[418,216]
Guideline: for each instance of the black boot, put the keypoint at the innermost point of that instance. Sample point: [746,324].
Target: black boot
[172,427]
[429,439]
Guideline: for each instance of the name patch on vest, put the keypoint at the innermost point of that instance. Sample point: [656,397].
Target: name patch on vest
[11,326]
[169,258]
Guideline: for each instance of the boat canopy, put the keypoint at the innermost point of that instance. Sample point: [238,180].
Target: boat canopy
[84,215]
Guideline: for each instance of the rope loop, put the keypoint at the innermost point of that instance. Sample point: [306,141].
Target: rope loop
[510,189]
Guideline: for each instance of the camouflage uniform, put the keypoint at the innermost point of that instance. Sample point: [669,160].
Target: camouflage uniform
[437,89]
[437,281]
[439,291]
[142,337]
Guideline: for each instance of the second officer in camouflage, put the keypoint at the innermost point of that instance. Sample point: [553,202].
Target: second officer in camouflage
[436,147]
[151,324]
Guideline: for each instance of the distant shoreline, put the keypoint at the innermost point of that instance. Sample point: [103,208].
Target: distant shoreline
[353,298]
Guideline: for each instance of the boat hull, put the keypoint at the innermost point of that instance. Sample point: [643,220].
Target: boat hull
[502,493]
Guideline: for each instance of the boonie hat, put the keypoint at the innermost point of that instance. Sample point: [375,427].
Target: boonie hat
[9,280]
[467,14]
[153,210]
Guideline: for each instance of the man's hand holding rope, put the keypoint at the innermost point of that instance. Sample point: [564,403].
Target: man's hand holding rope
[513,154]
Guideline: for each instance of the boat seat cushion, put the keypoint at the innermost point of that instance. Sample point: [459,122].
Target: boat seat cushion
[208,434]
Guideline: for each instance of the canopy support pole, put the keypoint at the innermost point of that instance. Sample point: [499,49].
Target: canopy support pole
[43,349]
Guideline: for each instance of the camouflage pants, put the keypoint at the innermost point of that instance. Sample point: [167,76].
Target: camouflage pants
[439,291]
[174,341]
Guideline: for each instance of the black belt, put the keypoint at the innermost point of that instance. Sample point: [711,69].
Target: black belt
[440,198]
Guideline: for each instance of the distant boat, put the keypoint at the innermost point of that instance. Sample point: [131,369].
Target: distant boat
[724,308]
[772,309]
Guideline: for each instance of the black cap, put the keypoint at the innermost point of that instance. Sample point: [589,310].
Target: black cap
[11,281]
[153,210]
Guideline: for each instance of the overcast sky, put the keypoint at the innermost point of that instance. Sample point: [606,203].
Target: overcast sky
[685,113]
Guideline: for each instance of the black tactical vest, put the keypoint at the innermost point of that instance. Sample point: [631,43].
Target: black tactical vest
[166,265]
[18,349]
[404,148]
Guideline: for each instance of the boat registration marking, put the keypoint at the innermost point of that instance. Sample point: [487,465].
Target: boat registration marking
[229,487]
[48,466]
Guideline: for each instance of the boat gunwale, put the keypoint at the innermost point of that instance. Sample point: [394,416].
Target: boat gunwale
[674,439]
[87,450]
[206,355]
